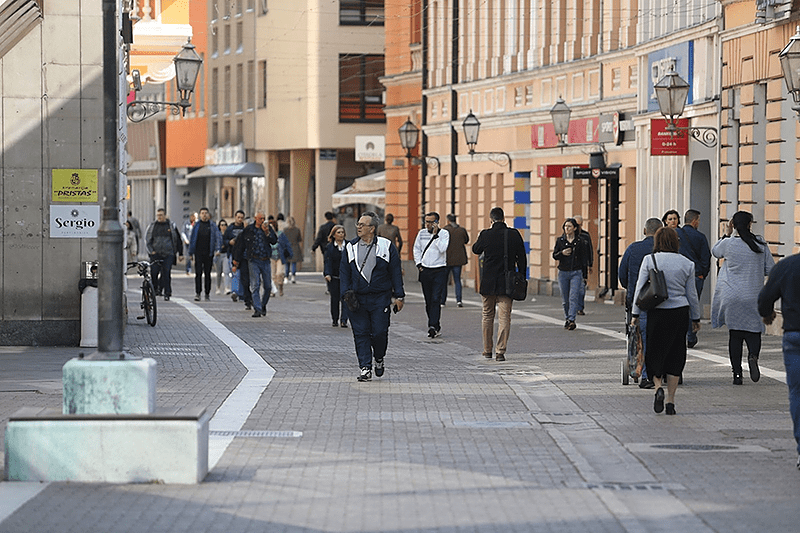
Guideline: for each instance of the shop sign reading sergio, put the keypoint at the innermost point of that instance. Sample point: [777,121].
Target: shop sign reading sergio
[74,221]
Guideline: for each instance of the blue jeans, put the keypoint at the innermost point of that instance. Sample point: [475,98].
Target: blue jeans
[456,271]
[370,326]
[582,295]
[260,274]
[291,265]
[791,360]
[570,281]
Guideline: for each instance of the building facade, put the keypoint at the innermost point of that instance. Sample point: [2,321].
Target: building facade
[290,89]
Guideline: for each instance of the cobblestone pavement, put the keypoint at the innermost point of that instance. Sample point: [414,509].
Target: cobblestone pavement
[547,441]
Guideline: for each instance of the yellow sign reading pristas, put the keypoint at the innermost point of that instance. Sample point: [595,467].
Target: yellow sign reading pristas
[74,185]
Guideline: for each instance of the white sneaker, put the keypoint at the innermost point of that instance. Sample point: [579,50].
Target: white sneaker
[219,291]
[366,374]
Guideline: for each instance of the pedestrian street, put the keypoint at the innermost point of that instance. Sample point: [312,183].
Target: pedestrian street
[548,440]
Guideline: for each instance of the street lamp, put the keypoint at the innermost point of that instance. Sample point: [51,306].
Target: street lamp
[790,64]
[672,92]
[187,67]
[560,116]
[471,127]
[409,134]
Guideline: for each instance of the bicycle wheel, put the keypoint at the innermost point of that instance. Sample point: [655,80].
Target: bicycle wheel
[149,302]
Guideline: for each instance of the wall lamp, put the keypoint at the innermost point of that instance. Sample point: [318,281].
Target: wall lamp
[187,67]
[560,115]
[790,64]
[671,93]
[471,127]
[409,135]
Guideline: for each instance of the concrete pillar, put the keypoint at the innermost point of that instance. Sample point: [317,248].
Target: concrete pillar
[326,186]
[300,162]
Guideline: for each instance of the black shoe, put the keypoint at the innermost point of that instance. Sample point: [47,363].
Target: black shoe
[335,324]
[581,312]
[670,408]
[658,404]
[166,298]
[459,304]
[343,324]
[566,324]
[263,309]
[691,344]
[737,377]
[500,357]
[755,373]
[647,384]
[365,375]
[378,367]
[248,307]
[158,293]
[256,314]
[207,297]
[487,355]
[431,332]
[197,297]
[572,325]
[235,297]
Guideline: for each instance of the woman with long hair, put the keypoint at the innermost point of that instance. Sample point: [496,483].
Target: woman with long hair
[571,253]
[333,256]
[665,353]
[747,261]
[221,264]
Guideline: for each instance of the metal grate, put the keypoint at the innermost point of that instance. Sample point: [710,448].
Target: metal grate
[696,447]
[611,485]
[255,433]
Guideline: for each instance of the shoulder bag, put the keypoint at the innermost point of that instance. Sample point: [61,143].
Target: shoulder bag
[516,284]
[654,290]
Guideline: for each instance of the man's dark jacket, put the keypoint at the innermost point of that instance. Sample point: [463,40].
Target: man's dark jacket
[245,242]
[630,264]
[490,243]
[694,245]
[323,233]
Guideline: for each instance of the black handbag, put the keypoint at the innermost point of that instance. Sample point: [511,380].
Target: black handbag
[351,300]
[654,290]
[516,284]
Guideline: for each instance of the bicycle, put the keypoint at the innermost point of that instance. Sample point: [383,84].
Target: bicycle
[148,291]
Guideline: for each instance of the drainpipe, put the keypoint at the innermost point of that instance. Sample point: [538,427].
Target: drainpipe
[454,108]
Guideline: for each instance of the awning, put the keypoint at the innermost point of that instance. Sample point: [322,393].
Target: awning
[370,189]
[241,170]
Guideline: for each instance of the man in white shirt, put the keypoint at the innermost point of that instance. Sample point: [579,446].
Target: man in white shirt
[430,256]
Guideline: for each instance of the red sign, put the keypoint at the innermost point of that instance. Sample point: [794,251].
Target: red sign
[555,171]
[582,130]
[663,142]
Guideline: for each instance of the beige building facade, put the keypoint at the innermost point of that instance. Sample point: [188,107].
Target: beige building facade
[290,88]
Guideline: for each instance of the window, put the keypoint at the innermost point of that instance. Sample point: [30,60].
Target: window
[262,7]
[227,92]
[239,87]
[262,84]
[360,91]
[239,132]
[214,134]
[251,85]
[214,91]
[361,12]
[227,39]
[238,7]
[214,41]
[239,37]
[227,132]
[616,79]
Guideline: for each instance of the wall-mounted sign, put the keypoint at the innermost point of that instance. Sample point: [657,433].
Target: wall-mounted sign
[370,148]
[610,131]
[74,185]
[581,130]
[663,142]
[679,57]
[74,221]
[591,173]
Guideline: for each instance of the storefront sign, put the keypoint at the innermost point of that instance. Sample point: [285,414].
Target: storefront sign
[74,185]
[592,173]
[663,142]
[370,148]
[609,129]
[74,221]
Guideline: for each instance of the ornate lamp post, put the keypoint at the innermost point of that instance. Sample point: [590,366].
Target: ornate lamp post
[472,127]
[790,64]
[187,67]
[560,116]
[671,93]
[409,134]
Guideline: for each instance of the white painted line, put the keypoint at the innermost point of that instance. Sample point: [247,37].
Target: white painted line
[777,375]
[233,413]
[15,494]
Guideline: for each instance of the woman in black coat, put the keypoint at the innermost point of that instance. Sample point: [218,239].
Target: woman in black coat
[333,256]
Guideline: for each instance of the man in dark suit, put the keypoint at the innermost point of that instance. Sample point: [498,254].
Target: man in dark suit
[491,243]
[694,245]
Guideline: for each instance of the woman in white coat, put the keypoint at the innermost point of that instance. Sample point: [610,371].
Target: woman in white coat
[747,261]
